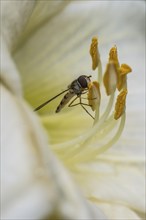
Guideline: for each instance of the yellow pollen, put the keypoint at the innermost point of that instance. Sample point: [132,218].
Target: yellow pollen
[111,75]
[94,95]
[113,55]
[120,104]
[123,71]
[94,53]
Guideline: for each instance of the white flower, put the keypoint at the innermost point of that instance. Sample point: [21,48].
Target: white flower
[51,52]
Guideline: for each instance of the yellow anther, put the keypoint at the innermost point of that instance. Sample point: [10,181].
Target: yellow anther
[123,71]
[120,104]
[113,54]
[94,95]
[111,75]
[94,53]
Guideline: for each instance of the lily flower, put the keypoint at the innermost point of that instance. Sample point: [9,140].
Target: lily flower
[68,165]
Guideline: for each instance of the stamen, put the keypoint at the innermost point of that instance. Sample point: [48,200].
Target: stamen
[120,104]
[94,53]
[106,129]
[94,98]
[86,137]
[113,55]
[111,75]
[94,95]
[123,71]
[91,153]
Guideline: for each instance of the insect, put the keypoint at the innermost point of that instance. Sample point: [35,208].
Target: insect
[78,87]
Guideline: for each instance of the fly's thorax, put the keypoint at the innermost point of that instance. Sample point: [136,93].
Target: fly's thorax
[75,87]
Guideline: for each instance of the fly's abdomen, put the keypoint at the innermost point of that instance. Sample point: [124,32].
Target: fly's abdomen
[68,96]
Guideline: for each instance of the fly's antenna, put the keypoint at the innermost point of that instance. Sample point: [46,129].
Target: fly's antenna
[45,103]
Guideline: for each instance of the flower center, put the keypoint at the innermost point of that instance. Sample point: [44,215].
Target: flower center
[108,125]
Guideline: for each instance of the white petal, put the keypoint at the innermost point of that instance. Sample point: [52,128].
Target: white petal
[114,181]
[23,180]
[116,212]
[32,179]
[14,16]
[9,74]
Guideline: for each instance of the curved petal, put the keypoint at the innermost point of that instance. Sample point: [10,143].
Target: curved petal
[32,186]
[12,26]
[116,212]
[114,182]
[14,16]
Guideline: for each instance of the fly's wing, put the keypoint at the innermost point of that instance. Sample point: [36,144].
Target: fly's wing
[68,96]
[45,103]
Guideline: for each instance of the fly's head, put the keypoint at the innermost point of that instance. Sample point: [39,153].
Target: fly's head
[84,81]
[80,84]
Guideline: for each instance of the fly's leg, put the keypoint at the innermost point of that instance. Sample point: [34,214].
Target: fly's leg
[84,92]
[80,103]
[70,105]
[86,111]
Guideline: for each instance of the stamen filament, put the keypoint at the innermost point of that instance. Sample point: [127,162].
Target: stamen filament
[79,149]
[99,77]
[91,153]
[106,128]
[83,140]
[96,115]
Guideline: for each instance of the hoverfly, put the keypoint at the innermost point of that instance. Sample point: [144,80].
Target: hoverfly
[78,87]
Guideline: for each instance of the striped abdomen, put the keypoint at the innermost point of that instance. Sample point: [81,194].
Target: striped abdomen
[68,96]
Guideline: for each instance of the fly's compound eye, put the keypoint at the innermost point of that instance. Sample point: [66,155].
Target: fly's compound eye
[82,81]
